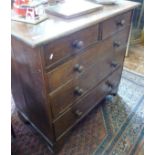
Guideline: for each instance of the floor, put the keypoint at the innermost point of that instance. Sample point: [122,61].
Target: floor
[135,59]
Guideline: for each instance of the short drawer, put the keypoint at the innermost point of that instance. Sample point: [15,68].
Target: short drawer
[115,24]
[77,66]
[76,88]
[72,44]
[80,109]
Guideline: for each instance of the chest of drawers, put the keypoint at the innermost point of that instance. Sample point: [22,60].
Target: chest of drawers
[58,82]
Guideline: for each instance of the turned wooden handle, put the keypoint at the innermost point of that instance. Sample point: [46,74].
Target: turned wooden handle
[121,22]
[109,84]
[78,44]
[114,64]
[79,91]
[78,68]
[78,112]
[117,44]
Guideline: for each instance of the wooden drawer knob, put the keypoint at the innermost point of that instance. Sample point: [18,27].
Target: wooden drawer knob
[109,84]
[114,64]
[78,91]
[78,68]
[78,44]
[78,113]
[117,44]
[121,22]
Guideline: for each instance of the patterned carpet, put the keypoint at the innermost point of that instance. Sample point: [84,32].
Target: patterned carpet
[113,128]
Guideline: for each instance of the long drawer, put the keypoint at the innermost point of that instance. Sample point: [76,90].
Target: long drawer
[74,68]
[80,109]
[69,45]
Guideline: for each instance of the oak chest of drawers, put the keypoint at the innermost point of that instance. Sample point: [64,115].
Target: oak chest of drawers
[56,83]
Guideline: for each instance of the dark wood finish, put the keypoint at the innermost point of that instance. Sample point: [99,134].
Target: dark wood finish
[54,95]
[27,69]
[113,25]
[85,60]
[108,61]
[77,111]
[71,45]
[16,85]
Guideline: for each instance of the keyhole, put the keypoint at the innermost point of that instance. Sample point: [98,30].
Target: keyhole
[51,56]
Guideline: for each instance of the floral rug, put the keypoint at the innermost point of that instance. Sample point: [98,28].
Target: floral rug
[113,128]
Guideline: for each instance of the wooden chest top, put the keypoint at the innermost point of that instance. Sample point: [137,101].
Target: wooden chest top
[56,27]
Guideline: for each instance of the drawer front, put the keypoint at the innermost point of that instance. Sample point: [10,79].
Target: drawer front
[80,109]
[72,44]
[76,88]
[115,24]
[70,70]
